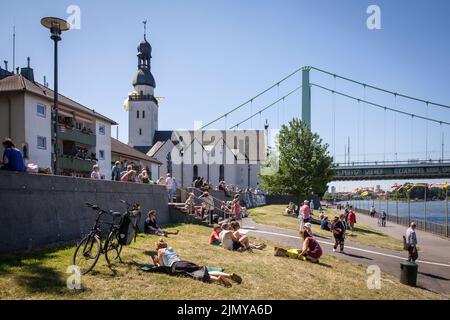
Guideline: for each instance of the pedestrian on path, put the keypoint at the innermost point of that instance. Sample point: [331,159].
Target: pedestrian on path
[305,214]
[383,217]
[338,230]
[372,211]
[411,242]
[351,220]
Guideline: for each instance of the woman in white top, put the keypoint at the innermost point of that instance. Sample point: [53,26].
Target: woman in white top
[96,172]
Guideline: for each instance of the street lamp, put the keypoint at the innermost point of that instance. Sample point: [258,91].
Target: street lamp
[182,166]
[56,26]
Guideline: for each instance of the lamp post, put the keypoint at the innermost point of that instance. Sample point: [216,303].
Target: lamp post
[56,26]
[182,167]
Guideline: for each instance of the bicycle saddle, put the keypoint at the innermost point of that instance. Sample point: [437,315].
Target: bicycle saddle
[115,213]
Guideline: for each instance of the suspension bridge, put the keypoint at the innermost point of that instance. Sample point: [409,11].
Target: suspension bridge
[350,168]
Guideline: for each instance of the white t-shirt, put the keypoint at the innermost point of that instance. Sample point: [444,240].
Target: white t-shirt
[225,239]
[169,182]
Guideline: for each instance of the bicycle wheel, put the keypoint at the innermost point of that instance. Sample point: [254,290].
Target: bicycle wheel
[112,248]
[87,253]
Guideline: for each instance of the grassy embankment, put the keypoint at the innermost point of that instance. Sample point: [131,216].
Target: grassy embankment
[41,275]
[273,215]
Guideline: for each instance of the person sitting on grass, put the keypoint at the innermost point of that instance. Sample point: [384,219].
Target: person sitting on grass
[214,238]
[235,226]
[311,249]
[151,226]
[230,241]
[325,224]
[167,257]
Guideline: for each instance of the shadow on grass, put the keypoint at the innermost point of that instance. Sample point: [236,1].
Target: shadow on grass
[29,270]
[367,231]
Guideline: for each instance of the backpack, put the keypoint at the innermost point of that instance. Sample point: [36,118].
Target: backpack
[405,244]
[128,229]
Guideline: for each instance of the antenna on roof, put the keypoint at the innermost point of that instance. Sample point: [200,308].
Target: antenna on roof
[14,47]
[6,64]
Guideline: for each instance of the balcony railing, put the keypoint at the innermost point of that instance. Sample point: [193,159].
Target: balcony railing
[77,136]
[74,164]
[142,97]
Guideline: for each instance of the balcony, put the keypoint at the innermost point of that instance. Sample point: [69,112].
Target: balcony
[77,136]
[70,163]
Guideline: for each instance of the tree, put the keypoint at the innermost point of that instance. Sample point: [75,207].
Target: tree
[304,166]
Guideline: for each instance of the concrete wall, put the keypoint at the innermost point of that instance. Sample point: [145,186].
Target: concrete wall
[37,210]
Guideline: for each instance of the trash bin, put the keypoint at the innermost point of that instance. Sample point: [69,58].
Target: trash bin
[408,274]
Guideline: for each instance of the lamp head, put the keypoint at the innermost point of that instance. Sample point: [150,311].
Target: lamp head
[56,26]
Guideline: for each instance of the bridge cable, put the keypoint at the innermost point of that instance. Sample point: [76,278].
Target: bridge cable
[380,106]
[412,136]
[384,134]
[426,136]
[395,128]
[381,89]
[364,126]
[253,98]
[265,108]
[333,97]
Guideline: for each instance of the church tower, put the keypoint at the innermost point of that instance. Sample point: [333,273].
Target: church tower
[141,103]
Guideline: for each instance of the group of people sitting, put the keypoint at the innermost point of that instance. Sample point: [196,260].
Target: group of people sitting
[229,237]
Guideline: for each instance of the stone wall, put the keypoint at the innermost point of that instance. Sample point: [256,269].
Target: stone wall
[36,210]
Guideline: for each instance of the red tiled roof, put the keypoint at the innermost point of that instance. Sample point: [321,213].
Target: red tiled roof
[20,83]
[125,150]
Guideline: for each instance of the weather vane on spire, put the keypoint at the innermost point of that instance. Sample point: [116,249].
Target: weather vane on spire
[145,28]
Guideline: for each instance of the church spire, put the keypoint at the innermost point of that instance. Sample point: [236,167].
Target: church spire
[145,29]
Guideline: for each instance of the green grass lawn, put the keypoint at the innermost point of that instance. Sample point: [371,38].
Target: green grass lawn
[273,215]
[41,275]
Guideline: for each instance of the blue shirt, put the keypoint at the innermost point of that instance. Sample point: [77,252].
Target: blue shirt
[116,173]
[15,160]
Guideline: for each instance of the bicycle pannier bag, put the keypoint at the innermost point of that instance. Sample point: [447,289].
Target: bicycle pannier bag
[127,229]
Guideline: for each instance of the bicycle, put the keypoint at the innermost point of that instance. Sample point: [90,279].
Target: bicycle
[90,247]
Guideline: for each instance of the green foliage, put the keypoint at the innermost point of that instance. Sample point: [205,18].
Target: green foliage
[305,165]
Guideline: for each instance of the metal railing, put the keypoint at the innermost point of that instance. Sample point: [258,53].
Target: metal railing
[435,228]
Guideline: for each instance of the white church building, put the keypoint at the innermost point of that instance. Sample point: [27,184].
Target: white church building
[235,156]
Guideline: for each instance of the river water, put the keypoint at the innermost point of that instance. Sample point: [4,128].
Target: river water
[435,210]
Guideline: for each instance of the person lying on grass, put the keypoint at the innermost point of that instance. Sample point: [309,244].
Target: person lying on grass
[167,257]
[235,226]
[151,226]
[311,249]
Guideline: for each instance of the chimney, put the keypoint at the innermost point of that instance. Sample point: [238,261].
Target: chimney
[4,72]
[28,71]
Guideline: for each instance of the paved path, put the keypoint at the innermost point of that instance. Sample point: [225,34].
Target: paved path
[434,264]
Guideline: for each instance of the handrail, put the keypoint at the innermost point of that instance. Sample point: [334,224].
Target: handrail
[214,200]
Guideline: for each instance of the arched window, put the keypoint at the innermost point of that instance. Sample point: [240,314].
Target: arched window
[140,132]
[195,171]
[221,173]
[137,114]
[143,114]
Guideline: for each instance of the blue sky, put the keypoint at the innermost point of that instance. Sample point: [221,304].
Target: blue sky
[209,56]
